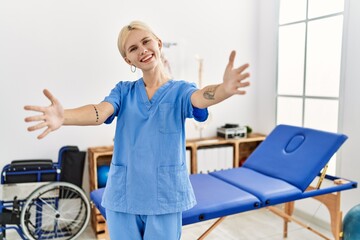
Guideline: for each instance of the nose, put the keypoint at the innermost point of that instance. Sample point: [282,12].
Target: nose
[143,51]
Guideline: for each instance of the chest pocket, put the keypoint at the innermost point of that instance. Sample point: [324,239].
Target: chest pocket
[170,120]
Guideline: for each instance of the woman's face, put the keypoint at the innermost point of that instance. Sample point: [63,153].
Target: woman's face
[142,49]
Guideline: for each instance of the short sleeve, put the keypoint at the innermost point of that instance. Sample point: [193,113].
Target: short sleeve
[200,114]
[114,98]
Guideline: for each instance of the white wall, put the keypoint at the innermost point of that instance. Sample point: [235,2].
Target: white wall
[267,65]
[350,164]
[349,110]
[70,48]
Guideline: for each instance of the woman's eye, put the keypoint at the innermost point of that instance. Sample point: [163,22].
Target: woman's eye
[132,49]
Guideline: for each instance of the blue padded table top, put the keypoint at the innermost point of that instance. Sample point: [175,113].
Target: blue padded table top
[294,154]
[269,190]
[216,198]
[96,198]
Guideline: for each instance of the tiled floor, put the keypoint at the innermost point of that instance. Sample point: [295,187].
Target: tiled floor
[254,225]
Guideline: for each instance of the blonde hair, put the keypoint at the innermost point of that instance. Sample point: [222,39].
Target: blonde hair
[124,34]
[125,31]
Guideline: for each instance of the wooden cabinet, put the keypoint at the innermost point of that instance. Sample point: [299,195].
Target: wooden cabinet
[98,156]
[242,148]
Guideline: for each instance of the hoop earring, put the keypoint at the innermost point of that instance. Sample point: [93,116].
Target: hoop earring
[133,68]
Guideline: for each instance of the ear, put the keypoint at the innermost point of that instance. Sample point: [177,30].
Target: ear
[127,60]
[160,44]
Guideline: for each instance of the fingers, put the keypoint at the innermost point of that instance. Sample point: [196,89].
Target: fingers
[235,78]
[242,68]
[49,95]
[35,118]
[37,126]
[243,76]
[35,108]
[46,132]
[231,60]
[231,63]
[232,56]
[43,117]
[240,92]
[242,85]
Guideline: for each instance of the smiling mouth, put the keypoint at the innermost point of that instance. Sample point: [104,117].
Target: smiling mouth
[147,58]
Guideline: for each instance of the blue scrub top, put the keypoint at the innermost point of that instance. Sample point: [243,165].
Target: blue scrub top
[148,173]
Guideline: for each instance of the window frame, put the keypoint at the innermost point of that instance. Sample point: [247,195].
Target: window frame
[303,97]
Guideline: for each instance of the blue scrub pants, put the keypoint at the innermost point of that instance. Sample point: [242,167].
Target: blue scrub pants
[124,226]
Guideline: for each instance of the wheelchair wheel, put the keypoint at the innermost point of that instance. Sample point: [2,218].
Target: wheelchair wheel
[58,210]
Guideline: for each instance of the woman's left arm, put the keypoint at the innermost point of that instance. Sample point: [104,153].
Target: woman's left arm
[234,80]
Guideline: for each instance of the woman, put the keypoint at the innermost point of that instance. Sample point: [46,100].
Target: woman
[148,185]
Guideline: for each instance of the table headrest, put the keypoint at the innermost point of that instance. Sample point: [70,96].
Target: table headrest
[295,154]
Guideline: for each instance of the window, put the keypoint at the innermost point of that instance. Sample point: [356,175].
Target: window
[309,61]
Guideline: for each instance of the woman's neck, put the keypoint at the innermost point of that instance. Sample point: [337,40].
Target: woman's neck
[154,79]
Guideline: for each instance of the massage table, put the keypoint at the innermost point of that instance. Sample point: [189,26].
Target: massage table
[282,169]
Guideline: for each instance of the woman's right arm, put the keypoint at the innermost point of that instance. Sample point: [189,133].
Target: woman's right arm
[54,116]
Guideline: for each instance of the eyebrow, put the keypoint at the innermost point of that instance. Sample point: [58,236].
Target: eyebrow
[134,45]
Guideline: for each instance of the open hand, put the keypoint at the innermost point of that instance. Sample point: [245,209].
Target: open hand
[51,117]
[235,78]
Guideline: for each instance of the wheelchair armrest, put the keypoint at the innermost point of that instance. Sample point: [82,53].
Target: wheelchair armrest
[30,164]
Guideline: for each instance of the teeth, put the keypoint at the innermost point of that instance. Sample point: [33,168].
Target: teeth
[146,58]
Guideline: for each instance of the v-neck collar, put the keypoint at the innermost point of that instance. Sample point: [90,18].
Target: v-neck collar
[157,95]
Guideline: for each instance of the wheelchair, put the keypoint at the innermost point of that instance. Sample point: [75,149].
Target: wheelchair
[44,200]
